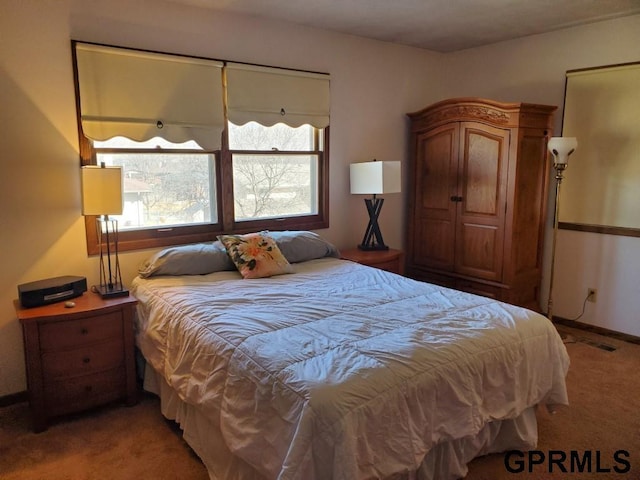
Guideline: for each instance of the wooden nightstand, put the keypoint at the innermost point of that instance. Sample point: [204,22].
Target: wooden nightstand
[390,260]
[78,357]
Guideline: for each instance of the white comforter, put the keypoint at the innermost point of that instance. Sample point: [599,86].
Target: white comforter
[341,371]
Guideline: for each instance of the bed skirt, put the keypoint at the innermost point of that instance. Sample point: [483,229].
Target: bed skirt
[446,461]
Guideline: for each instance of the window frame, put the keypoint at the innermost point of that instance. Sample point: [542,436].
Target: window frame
[137,239]
[299,222]
[154,237]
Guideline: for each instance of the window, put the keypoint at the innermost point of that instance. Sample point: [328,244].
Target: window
[162,189]
[275,170]
[189,172]
[170,191]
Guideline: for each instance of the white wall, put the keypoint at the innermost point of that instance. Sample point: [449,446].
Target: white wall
[532,70]
[373,85]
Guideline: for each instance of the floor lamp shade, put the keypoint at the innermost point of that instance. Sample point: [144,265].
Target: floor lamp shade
[101,190]
[374,178]
[561,148]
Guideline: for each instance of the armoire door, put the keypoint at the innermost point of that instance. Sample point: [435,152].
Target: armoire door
[436,171]
[481,200]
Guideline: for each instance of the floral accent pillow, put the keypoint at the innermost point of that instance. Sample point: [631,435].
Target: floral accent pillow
[255,255]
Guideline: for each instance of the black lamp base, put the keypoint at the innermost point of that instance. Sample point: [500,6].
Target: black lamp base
[110,280]
[106,292]
[372,239]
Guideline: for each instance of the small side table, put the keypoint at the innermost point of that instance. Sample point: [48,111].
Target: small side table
[389,260]
[78,357]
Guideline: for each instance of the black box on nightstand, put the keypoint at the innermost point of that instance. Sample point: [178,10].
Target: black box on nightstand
[51,290]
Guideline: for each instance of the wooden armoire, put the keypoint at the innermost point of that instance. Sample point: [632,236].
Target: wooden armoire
[479,173]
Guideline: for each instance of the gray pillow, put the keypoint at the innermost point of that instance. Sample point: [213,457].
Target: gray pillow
[301,245]
[195,259]
[203,258]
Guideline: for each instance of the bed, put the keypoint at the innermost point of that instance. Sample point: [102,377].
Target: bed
[336,370]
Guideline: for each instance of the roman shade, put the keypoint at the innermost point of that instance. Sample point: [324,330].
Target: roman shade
[602,109]
[142,95]
[272,95]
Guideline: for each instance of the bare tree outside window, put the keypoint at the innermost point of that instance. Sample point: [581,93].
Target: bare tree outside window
[273,185]
[278,178]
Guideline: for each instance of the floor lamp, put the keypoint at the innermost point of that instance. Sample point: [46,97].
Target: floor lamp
[102,196]
[561,148]
[374,178]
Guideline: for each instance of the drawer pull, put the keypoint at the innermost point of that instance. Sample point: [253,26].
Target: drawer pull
[86,360]
[84,331]
[88,389]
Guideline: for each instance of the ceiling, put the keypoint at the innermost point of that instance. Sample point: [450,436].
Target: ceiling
[438,25]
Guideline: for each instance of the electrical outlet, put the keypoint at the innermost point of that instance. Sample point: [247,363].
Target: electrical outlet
[592,295]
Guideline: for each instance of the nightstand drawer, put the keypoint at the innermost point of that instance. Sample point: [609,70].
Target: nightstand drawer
[82,361]
[84,392]
[71,333]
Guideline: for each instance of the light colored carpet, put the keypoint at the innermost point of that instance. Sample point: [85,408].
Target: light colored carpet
[121,443]
[603,415]
[111,443]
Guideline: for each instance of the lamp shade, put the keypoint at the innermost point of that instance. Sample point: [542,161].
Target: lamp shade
[375,177]
[101,190]
[561,148]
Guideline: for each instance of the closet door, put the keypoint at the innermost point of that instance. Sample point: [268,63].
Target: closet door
[482,190]
[436,170]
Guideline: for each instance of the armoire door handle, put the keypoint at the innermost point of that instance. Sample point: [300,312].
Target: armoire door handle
[455,198]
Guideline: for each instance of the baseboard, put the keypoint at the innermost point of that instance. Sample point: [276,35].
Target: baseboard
[599,330]
[13,398]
